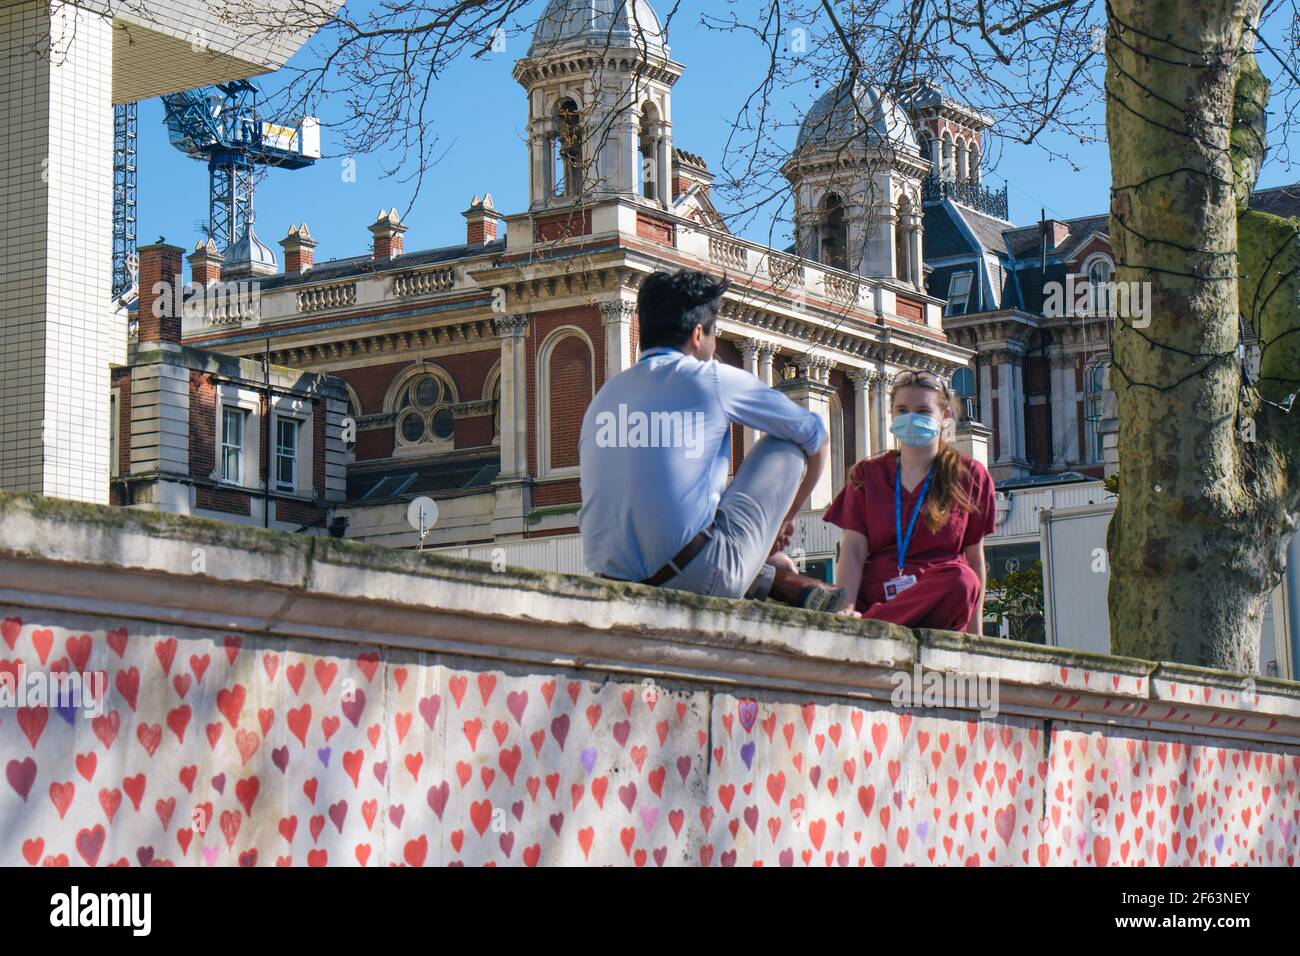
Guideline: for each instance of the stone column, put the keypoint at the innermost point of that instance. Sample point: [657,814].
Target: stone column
[749,349]
[984,369]
[541,162]
[766,352]
[1064,395]
[881,381]
[807,392]
[915,249]
[1018,405]
[1011,410]
[616,156]
[882,244]
[861,379]
[617,318]
[513,484]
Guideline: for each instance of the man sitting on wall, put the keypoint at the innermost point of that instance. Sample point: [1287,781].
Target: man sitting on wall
[655,451]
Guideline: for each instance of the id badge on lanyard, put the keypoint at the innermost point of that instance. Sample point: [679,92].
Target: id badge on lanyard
[896,586]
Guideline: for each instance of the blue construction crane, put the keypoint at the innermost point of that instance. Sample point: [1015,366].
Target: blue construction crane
[124,193]
[218,124]
[221,124]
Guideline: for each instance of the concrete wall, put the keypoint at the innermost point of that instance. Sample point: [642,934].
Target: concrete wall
[280,699]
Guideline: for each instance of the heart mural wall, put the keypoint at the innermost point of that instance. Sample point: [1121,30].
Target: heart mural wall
[302,702]
[227,749]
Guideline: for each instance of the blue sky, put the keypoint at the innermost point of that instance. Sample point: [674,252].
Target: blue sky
[480,116]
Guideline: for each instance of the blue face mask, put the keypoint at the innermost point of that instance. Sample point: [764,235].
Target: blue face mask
[915,429]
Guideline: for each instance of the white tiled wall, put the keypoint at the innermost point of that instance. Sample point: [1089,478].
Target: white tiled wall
[24,110]
[59,333]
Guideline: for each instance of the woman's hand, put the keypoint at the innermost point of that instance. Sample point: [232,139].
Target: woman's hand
[849,611]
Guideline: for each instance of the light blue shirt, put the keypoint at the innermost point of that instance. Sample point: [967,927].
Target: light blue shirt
[655,452]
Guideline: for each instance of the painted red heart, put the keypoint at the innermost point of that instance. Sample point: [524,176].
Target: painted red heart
[21,774]
[90,843]
[231,703]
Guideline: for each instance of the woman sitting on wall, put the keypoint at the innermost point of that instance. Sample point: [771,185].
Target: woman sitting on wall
[914,519]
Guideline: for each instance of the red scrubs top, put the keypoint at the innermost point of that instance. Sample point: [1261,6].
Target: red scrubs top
[946,592]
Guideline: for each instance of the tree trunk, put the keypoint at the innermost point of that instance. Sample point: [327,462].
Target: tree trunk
[1207,477]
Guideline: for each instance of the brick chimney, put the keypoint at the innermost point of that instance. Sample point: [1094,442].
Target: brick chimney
[481,221]
[1054,233]
[161,292]
[690,169]
[205,263]
[297,246]
[387,230]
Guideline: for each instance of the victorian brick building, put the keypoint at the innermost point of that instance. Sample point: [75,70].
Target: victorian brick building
[467,368]
[199,432]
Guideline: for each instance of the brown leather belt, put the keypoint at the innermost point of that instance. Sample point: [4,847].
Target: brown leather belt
[679,561]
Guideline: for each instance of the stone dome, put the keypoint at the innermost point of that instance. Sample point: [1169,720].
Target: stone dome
[598,23]
[248,255]
[834,119]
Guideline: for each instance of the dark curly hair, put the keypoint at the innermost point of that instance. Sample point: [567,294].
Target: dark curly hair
[670,305]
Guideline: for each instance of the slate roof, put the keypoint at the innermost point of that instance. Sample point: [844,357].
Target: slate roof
[1280,201]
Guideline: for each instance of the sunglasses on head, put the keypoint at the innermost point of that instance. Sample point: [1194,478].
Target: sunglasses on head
[921,380]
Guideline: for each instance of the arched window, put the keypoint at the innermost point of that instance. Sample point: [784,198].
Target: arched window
[647,173]
[567,149]
[496,412]
[492,393]
[961,161]
[422,403]
[834,238]
[354,413]
[948,168]
[973,163]
[1099,270]
[566,383]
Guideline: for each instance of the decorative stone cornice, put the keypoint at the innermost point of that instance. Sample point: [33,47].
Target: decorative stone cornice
[387,343]
[473,409]
[373,422]
[530,71]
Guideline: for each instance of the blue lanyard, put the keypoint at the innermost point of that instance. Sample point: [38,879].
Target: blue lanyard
[904,540]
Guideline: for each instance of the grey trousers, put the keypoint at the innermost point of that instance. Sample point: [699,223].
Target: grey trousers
[734,562]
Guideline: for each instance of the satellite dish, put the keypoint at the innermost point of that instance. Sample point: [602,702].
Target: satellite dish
[424,505]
